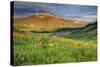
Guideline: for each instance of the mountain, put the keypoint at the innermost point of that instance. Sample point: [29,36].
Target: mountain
[45,21]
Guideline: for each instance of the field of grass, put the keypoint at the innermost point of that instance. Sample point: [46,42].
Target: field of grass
[37,48]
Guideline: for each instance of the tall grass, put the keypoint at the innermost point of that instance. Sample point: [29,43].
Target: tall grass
[34,48]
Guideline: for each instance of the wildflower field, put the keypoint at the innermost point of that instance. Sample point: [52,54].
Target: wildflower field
[45,48]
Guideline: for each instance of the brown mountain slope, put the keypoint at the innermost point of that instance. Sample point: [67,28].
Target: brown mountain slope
[45,22]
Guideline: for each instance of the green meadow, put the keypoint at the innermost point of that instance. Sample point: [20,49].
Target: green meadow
[46,48]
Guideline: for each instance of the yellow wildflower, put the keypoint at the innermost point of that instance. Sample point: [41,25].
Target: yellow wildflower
[50,45]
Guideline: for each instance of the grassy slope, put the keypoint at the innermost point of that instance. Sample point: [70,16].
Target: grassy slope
[33,48]
[85,33]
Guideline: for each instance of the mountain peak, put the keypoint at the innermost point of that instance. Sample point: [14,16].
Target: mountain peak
[45,14]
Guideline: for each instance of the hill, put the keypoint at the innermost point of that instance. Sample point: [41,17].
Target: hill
[87,32]
[45,22]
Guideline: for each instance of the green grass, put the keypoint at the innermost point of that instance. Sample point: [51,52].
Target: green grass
[34,48]
[32,54]
[88,32]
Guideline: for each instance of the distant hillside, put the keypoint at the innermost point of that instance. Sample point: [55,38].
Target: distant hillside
[87,32]
[88,28]
[45,22]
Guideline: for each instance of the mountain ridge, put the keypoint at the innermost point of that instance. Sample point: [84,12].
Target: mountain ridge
[46,22]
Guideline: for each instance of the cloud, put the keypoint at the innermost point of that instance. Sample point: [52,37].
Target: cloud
[28,8]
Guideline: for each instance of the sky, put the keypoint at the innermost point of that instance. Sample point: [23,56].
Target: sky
[22,9]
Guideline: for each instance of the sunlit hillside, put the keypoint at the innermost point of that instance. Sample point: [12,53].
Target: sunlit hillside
[46,22]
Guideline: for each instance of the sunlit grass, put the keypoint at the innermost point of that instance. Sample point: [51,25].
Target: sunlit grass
[33,48]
